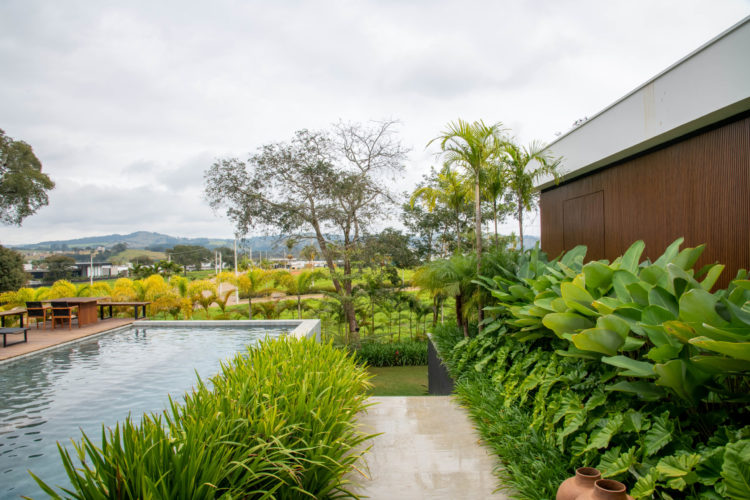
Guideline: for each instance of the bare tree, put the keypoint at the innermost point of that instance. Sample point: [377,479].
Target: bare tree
[328,183]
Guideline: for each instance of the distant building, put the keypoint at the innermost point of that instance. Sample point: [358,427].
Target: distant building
[670,159]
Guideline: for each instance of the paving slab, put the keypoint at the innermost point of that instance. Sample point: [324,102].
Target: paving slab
[428,449]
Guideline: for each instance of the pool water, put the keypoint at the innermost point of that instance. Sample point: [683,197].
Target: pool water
[52,396]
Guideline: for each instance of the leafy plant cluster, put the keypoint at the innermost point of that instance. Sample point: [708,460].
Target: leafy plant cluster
[277,422]
[404,353]
[638,369]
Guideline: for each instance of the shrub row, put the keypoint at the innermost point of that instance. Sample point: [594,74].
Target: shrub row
[404,353]
[637,369]
[277,422]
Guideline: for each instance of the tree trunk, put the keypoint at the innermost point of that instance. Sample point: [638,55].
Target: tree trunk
[250,306]
[299,307]
[494,213]
[520,221]
[478,203]
[460,315]
[434,310]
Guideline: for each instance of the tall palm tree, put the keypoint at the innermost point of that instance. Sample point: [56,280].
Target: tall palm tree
[449,190]
[472,146]
[524,165]
[252,284]
[494,186]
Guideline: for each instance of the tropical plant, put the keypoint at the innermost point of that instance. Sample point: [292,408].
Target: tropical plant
[523,166]
[298,285]
[454,277]
[253,284]
[251,432]
[472,146]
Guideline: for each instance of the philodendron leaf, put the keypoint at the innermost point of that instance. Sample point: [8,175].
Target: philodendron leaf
[659,435]
[634,421]
[633,368]
[574,256]
[600,438]
[572,352]
[699,306]
[736,469]
[645,486]
[686,381]
[597,275]
[599,340]
[678,465]
[614,464]
[568,322]
[578,298]
[632,257]
[647,391]
[737,350]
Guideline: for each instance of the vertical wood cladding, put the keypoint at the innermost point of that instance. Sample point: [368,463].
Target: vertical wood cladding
[698,188]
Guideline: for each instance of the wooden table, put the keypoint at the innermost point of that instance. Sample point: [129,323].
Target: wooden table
[137,306]
[12,312]
[86,308]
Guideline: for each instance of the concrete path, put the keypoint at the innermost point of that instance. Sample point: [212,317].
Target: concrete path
[428,450]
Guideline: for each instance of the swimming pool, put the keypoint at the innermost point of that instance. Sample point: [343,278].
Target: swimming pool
[50,396]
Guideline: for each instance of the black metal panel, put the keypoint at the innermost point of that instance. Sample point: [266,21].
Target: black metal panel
[439,382]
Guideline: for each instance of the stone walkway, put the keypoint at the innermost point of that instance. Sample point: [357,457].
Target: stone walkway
[427,450]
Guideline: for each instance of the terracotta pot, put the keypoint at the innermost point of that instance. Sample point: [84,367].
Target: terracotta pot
[583,481]
[606,489]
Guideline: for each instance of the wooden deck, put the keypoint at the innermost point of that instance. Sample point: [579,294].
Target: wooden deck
[41,338]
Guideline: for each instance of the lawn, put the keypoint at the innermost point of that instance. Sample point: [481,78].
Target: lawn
[399,381]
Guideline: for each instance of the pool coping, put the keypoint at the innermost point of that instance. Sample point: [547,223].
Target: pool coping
[304,328]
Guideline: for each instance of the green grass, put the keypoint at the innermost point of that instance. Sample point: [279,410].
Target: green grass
[399,381]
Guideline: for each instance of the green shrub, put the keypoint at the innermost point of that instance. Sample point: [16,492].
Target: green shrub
[404,353]
[638,369]
[277,422]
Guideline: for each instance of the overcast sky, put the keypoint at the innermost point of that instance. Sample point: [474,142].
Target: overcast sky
[127,103]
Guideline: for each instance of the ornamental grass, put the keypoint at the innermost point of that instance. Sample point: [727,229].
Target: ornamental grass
[278,421]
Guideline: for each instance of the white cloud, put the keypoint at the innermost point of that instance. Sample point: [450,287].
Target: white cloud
[127,104]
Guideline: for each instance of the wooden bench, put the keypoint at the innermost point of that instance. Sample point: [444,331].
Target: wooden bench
[13,331]
[137,306]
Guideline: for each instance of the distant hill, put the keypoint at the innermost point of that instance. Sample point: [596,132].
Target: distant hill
[158,242]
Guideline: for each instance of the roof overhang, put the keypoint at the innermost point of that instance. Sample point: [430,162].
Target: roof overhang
[705,87]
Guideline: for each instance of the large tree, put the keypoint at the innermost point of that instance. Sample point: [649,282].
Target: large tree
[523,166]
[472,146]
[327,183]
[23,186]
[59,267]
[12,275]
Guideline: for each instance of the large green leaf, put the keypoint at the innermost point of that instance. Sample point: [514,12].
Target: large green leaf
[740,315]
[568,322]
[620,281]
[678,465]
[679,280]
[601,437]
[737,350]
[632,257]
[711,276]
[632,367]
[679,330]
[599,340]
[639,292]
[656,315]
[736,469]
[614,323]
[597,275]
[659,435]
[573,352]
[664,353]
[699,306]
[670,253]
[654,275]
[720,364]
[607,305]
[574,256]
[687,258]
[644,390]
[685,380]
[659,296]
[645,486]
[614,464]
[634,421]
[578,298]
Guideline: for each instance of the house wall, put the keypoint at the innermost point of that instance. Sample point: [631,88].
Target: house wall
[698,188]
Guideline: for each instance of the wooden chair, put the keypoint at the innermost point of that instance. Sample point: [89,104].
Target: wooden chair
[36,311]
[62,311]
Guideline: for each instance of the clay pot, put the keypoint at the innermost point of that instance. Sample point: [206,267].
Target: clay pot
[583,481]
[606,489]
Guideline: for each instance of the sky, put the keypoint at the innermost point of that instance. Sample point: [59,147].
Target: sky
[126,104]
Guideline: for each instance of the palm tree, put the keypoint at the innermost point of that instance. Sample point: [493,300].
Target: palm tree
[524,165]
[472,146]
[494,186]
[309,252]
[449,190]
[297,284]
[251,285]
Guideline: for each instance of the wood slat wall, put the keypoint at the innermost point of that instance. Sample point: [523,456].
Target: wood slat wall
[698,188]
